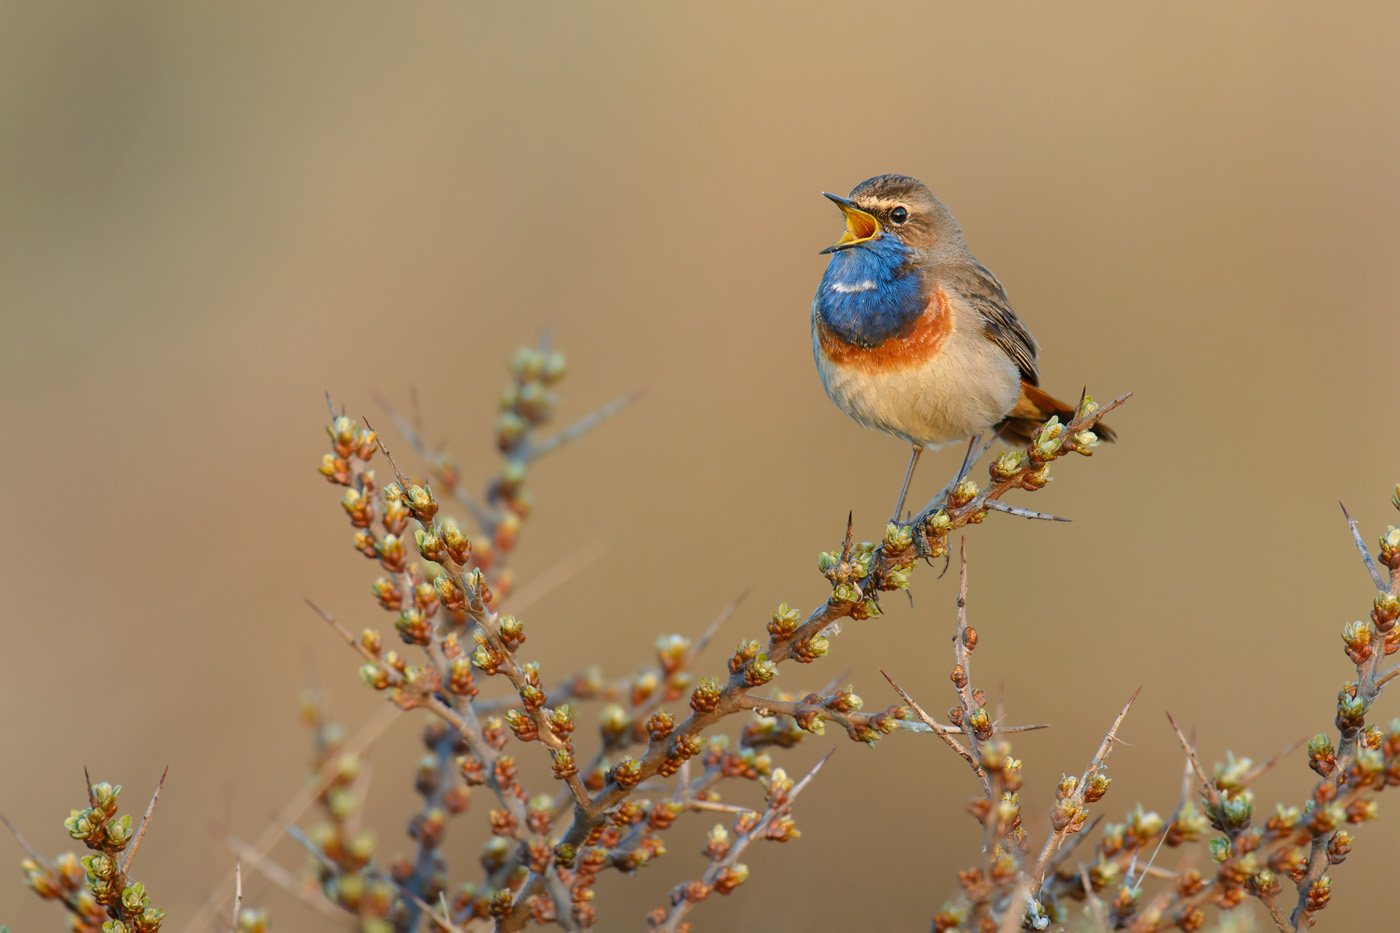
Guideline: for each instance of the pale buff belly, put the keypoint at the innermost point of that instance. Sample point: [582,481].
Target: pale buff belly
[966,388]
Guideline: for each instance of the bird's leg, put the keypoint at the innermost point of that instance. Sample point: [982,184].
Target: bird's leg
[974,453]
[908,475]
[969,459]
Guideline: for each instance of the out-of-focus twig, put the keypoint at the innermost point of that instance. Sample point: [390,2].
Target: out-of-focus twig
[145,822]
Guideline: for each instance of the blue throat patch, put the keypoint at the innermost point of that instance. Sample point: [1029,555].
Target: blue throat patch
[870,292]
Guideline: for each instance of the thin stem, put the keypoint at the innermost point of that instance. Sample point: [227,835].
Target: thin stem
[943,733]
[365,736]
[1370,562]
[279,876]
[237,890]
[996,505]
[23,843]
[1212,793]
[580,427]
[962,656]
[145,822]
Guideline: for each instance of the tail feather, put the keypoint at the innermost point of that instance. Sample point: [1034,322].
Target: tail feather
[1033,409]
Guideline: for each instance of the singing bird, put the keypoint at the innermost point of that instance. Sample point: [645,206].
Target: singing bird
[915,337]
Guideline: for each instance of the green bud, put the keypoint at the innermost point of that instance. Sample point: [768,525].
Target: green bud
[898,537]
[118,831]
[1351,712]
[1220,851]
[760,671]
[1085,442]
[1007,465]
[1321,757]
[1096,788]
[784,622]
[1236,812]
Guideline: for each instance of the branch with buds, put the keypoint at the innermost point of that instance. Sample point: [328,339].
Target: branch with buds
[661,751]
[455,596]
[1118,884]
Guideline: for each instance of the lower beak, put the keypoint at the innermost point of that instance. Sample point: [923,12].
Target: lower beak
[861,227]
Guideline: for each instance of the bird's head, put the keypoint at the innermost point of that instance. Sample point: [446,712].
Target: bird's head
[899,207]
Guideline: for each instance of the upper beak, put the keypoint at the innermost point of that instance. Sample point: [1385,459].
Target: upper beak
[860,226]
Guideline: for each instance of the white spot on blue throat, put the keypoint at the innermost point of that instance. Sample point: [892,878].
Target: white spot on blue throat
[846,289]
[870,292]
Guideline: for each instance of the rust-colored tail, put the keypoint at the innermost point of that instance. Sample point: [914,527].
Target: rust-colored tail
[1031,411]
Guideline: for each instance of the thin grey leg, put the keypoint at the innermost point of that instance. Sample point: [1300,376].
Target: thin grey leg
[908,475]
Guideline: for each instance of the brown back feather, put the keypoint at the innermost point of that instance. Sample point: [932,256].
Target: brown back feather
[976,283]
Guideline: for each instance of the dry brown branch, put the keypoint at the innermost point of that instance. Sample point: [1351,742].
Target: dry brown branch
[943,733]
[1207,785]
[145,822]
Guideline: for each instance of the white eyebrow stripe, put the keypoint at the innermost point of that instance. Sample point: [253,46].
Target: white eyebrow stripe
[845,289]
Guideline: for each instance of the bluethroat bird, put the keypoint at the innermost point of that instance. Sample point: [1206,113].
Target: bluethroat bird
[915,337]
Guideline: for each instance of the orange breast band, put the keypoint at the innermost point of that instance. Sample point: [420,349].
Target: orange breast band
[919,343]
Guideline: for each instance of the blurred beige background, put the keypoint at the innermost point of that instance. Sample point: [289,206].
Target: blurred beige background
[213,213]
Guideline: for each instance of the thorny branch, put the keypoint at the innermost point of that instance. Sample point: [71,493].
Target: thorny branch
[544,855]
[542,858]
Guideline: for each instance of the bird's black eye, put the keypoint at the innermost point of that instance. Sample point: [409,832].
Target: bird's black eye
[899,215]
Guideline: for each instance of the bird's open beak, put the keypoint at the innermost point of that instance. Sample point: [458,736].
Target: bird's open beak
[860,226]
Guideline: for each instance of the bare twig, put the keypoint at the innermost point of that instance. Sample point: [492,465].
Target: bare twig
[145,822]
[398,474]
[959,730]
[997,505]
[1212,793]
[943,733]
[441,919]
[1283,753]
[365,736]
[344,633]
[580,427]
[1376,576]
[483,516]
[23,843]
[962,656]
[1276,912]
[1095,904]
[1095,765]
[282,878]
[237,890]
[554,577]
[1033,881]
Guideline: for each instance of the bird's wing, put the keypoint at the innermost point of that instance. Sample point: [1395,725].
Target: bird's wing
[999,322]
